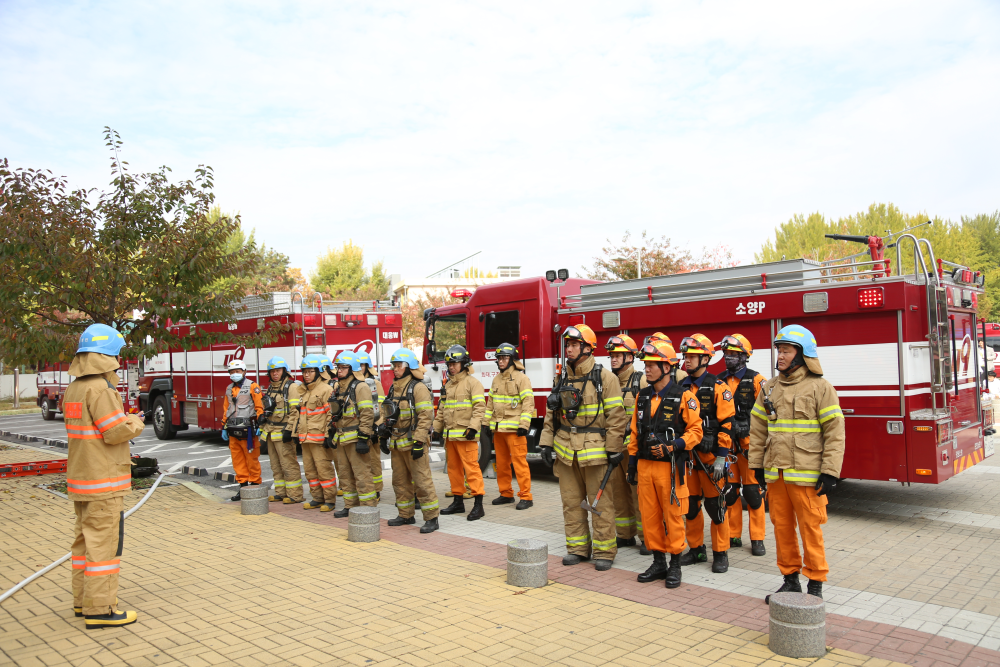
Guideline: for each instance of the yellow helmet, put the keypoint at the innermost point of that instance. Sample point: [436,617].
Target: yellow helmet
[659,336]
[621,344]
[658,351]
[697,344]
[582,333]
[736,343]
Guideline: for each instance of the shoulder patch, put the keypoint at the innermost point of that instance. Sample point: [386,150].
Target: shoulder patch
[692,404]
[73,410]
[727,395]
[256,389]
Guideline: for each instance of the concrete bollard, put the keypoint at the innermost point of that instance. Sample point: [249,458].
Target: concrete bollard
[253,500]
[797,625]
[527,563]
[364,524]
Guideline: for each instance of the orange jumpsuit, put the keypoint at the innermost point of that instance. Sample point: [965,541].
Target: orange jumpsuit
[740,474]
[701,485]
[654,481]
[245,462]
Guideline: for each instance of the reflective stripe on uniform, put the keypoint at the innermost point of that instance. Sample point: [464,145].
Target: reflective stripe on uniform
[348,494]
[377,479]
[579,541]
[312,437]
[321,410]
[613,402]
[402,505]
[110,420]
[791,475]
[297,482]
[326,484]
[456,433]
[84,486]
[102,568]
[624,520]
[279,482]
[79,562]
[795,426]
[430,506]
[605,545]
[365,496]
[83,432]
[588,454]
[314,482]
[758,411]
[424,405]
[830,412]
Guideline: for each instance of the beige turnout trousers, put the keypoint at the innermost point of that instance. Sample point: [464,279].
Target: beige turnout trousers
[628,519]
[320,474]
[284,467]
[355,475]
[99,534]
[577,484]
[409,476]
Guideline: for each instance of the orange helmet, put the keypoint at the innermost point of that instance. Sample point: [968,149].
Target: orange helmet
[736,343]
[581,332]
[658,351]
[659,336]
[621,344]
[697,344]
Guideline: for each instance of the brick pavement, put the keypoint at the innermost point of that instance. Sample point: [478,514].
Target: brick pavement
[213,587]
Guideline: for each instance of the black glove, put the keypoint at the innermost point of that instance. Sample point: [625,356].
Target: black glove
[615,458]
[329,443]
[286,436]
[521,432]
[417,451]
[826,484]
[437,436]
[759,474]
[383,444]
[718,468]
[361,446]
[632,476]
[470,434]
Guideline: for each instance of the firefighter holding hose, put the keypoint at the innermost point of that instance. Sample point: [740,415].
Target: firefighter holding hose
[797,449]
[585,426]
[98,475]
[666,424]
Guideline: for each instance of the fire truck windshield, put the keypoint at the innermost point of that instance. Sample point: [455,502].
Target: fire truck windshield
[445,332]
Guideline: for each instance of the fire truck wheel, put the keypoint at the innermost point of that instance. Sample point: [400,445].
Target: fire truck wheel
[48,410]
[161,419]
[485,450]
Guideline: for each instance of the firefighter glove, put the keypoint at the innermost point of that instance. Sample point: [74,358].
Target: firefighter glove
[383,444]
[661,451]
[225,435]
[437,436]
[615,458]
[361,446]
[470,434]
[826,484]
[286,436]
[759,474]
[632,476]
[521,432]
[329,443]
[417,451]
[719,468]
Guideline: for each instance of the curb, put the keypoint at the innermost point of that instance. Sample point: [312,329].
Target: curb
[194,472]
[196,487]
[223,476]
[62,444]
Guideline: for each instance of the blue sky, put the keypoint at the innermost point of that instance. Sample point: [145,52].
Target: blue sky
[530,131]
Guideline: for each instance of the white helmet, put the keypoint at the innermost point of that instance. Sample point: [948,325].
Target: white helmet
[236,365]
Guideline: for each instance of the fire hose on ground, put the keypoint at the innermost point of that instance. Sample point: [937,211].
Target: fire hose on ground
[65,558]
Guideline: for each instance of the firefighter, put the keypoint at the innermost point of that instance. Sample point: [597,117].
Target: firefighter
[405,435]
[628,521]
[585,426]
[679,373]
[708,480]
[458,422]
[98,475]
[282,396]
[328,374]
[311,428]
[666,425]
[352,424]
[797,449]
[744,383]
[509,409]
[241,411]
[374,383]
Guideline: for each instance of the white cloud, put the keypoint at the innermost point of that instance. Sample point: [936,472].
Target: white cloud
[530,131]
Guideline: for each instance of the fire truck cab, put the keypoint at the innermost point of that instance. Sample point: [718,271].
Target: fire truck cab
[53,378]
[183,388]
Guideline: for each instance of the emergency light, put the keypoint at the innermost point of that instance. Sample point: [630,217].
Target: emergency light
[871,297]
[461,293]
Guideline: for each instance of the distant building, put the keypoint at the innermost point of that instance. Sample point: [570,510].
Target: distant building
[443,282]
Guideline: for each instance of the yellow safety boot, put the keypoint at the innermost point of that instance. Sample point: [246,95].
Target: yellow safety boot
[310,505]
[114,619]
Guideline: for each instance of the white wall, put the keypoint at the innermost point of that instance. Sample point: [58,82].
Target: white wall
[27,382]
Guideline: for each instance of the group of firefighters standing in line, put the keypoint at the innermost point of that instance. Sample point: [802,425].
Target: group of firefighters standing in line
[664,442]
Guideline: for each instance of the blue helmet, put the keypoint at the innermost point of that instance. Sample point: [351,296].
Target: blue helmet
[312,361]
[102,339]
[278,362]
[798,335]
[363,358]
[407,357]
[348,358]
[324,362]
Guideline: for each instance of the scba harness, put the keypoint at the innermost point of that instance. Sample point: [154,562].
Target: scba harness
[744,398]
[567,399]
[710,420]
[662,427]
[392,411]
[270,403]
[241,418]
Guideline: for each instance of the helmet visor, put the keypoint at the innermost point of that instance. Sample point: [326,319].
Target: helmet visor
[617,341]
[731,343]
[572,333]
[691,345]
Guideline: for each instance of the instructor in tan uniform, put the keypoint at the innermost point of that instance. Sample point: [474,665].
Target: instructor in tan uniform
[98,475]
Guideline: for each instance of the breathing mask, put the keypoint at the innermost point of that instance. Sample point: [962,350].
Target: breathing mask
[236,377]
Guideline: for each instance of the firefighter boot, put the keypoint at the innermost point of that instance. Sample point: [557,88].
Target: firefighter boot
[310,505]
[477,510]
[524,504]
[815,588]
[673,577]
[602,564]
[111,620]
[720,562]
[342,514]
[503,500]
[236,498]
[287,501]
[623,542]
[757,548]
[326,508]
[658,570]
[457,506]
[400,521]
[695,555]
[574,559]
[791,585]
[430,526]
[643,549]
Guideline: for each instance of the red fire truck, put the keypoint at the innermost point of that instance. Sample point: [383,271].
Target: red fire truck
[54,378]
[901,348]
[184,388]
